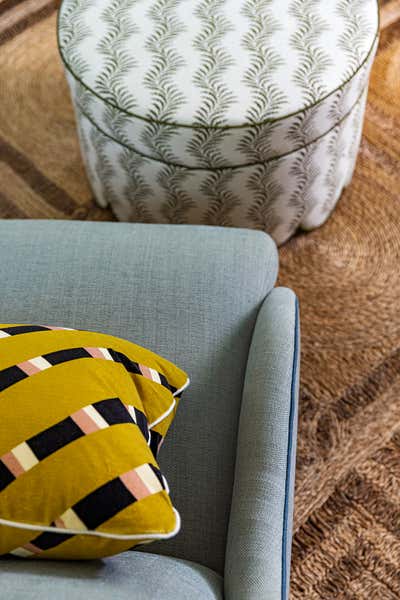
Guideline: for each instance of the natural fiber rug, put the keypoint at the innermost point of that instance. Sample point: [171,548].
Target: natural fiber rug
[346,274]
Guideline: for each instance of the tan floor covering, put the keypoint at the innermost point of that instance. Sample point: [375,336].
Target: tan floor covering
[346,274]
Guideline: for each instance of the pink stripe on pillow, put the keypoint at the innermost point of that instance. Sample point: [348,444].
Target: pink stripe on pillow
[12,464]
[135,485]
[145,371]
[59,523]
[95,352]
[32,548]
[28,368]
[84,422]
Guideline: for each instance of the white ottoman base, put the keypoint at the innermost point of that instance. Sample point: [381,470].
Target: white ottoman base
[297,190]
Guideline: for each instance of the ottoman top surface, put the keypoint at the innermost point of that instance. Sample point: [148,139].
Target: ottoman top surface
[218,63]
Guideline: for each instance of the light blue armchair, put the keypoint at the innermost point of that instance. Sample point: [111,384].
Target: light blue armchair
[203,297]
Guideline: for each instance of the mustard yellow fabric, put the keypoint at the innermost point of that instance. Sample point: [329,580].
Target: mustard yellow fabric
[82,416]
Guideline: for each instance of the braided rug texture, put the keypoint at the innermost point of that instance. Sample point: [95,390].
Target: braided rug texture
[346,274]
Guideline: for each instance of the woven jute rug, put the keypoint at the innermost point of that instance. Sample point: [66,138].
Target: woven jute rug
[346,274]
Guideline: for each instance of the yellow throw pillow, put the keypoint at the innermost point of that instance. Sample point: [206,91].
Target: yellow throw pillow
[82,416]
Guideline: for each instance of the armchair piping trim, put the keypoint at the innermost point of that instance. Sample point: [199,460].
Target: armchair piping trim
[289,466]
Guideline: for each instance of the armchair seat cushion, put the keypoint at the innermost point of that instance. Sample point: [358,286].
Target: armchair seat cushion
[131,575]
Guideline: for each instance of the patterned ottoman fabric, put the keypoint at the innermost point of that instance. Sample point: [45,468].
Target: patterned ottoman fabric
[244,113]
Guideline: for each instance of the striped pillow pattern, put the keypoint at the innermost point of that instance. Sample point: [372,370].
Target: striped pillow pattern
[82,417]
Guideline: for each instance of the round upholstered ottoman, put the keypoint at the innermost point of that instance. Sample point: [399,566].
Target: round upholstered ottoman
[226,112]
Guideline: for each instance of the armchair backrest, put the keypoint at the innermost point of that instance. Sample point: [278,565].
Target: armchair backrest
[189,293]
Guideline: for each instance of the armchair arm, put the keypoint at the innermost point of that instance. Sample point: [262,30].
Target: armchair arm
[257,563]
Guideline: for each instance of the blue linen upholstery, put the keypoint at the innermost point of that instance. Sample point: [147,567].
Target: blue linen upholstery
[200,296]
[129,576]
[260,523]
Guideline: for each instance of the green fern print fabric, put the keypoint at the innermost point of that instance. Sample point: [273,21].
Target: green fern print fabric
[224,112]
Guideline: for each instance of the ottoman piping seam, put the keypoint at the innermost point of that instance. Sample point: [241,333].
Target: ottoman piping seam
[222,127]
[227,167]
